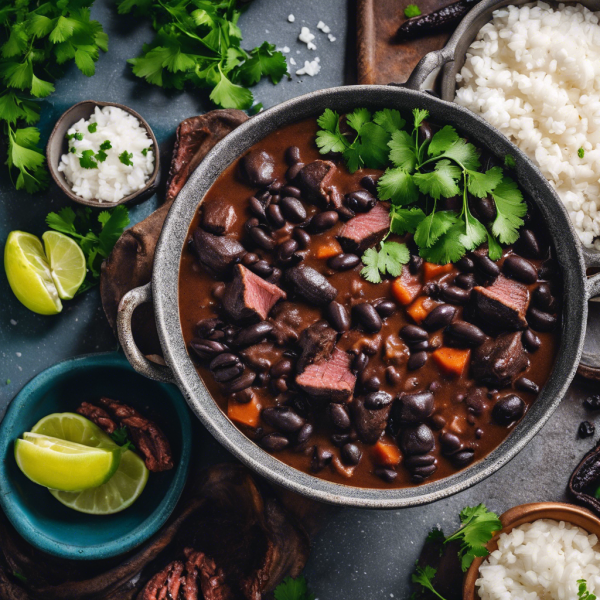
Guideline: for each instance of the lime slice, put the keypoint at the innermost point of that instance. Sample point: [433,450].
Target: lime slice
[29,275]
[67,263]
[125,486]
[63,465]
[121,491]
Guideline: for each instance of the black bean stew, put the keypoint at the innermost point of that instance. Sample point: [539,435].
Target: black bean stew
[372,385]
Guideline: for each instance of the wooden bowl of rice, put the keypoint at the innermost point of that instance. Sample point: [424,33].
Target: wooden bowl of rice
[528,513]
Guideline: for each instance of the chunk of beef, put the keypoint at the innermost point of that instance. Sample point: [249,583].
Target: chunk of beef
[329,379]
[314,179]
[365,230]
[217,254]
[286,320]
[317,342]
[311,285]
[218,217]
[498,360]
[249,297]
[98,416]
[502,306]
[370,423]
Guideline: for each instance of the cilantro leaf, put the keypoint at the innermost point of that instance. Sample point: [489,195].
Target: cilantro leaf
[433,226]
[442,140]
[419,115]
[582,591]
[412,10]
[370,272]
[121,438]
[389,119]
[398,186]
[403,152]
[475,232]
[494,248]
[100,156]
[230,95]
[463,153]
[509,161]
[293,589]
[86,160]
[125,157]
[27,158]
[388,260]
[581,152]
[482,184]
[263,61]
[374,145]
[435,535]
[448,248]
[112,229]
[439,182]
[329,121]
[511,209]
[92,127]
[424,576]
[105,145]
[358,118]
[405,220]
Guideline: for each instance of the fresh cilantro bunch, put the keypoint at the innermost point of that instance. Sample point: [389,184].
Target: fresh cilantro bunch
[96,237]
[420,172]
[293,589]
[197,43]
[36,40]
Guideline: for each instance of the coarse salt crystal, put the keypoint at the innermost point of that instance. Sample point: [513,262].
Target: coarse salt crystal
[291,18]
[307,37]
[331,37]
[310,68]
[324,28]
[292,61]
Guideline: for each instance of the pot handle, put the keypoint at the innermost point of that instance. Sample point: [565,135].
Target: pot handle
[129,302]
[426,71]
[592,284]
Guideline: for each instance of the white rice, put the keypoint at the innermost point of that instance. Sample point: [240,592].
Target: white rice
[112,180]
[534,73]
[542,560]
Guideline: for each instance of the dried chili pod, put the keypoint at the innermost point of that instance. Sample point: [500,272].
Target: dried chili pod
[585,480]
[434,22]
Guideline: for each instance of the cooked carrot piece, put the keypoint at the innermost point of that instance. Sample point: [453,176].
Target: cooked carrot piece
[419,309]
[405,288]
[452,360]
[431,270]
[244,414]
[331,248]
[386,454]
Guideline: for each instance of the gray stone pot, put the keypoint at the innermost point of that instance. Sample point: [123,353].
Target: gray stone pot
[163,291]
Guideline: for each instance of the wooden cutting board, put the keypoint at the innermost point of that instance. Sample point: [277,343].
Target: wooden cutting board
[381,60]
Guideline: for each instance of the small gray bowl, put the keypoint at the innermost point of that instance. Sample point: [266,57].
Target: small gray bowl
[58,145]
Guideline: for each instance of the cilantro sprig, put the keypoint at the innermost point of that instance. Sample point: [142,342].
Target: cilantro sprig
[412,10]
[293,589]
[37,40]
[121,438]
[421,171]
[199,44]
[582,591]
[96,237]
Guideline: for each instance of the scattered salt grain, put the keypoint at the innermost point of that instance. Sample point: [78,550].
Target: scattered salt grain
[310,68]
[292,61]
[285,49]
[13,322]
[291,18]
[324,28]
[331,37]
[18,354]
[307,37]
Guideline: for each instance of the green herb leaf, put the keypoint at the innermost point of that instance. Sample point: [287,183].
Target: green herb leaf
[86,160]
[423,576]
[100,156]
[509,161]
[433,226]
[374,145]
[435,535]
[293,589]
[475,233]
[389,120]
[358,118]
[582,592]
[448,248]
[581,152]
[442,140]
[494,248]
[403,152]
[92,127]
[405,220]
[482,184]
[125,157]
[398,186]
[464,154]
[439,182]
[412,10]
[388,260]
[105,145]
[511,209]
[419,115]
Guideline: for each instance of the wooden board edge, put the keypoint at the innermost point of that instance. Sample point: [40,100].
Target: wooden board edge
[365,42]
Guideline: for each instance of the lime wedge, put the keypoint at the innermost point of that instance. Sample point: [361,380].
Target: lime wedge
[64,465]
[67,263]
[29,275]
[125,486]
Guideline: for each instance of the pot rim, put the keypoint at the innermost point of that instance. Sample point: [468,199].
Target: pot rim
[165,295]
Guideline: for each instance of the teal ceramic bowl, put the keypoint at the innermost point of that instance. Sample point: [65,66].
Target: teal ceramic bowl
[39,517]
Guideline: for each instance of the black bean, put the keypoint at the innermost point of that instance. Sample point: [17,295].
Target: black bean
[463,458]
[275,276]
[337,315]
[244,396]
[324,221]
[465,280]
[257,208]
[385,309]
[388,475]
[250,259]
[370,383]
[486,209]
[528,244]
[293,171]
[531,341]
[359,363]
[415,407]
[293,209]
[345,213]
[218,336]
[241,383]
[343,262]
[466,334]
[291,190]
[262,239]
[520,269]
[287,250]
[377,400]
[412,333]
[539,320]
[592,402]
[487,266]
[275,217]
[526,385]
[224,374]
[275,199]
[304,434]
[253,334]
[274,442]
[276,186]
[282,418]
[279,386]
[450,443]
[369,183]
[419,346]
[548,269]
[311,285]
[418,461]
[230,331]
[393,376]
[206,326]
[416,361]
[360,201]
[321,458]
[465,264]
[417,439]
[415,263]
[339,416]
[456,295]
[224,360]
[439,317]
[425,132]
[302,237]
[367,317]
[586,429]
[339,439]
[508,409]
[542,297]
[292,155]
[251,223]
[351,454]
[432,289]
[257,168]
[206,349]
[438,422]
[281,368]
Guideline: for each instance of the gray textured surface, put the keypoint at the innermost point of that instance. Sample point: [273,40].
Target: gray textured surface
[360,554]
